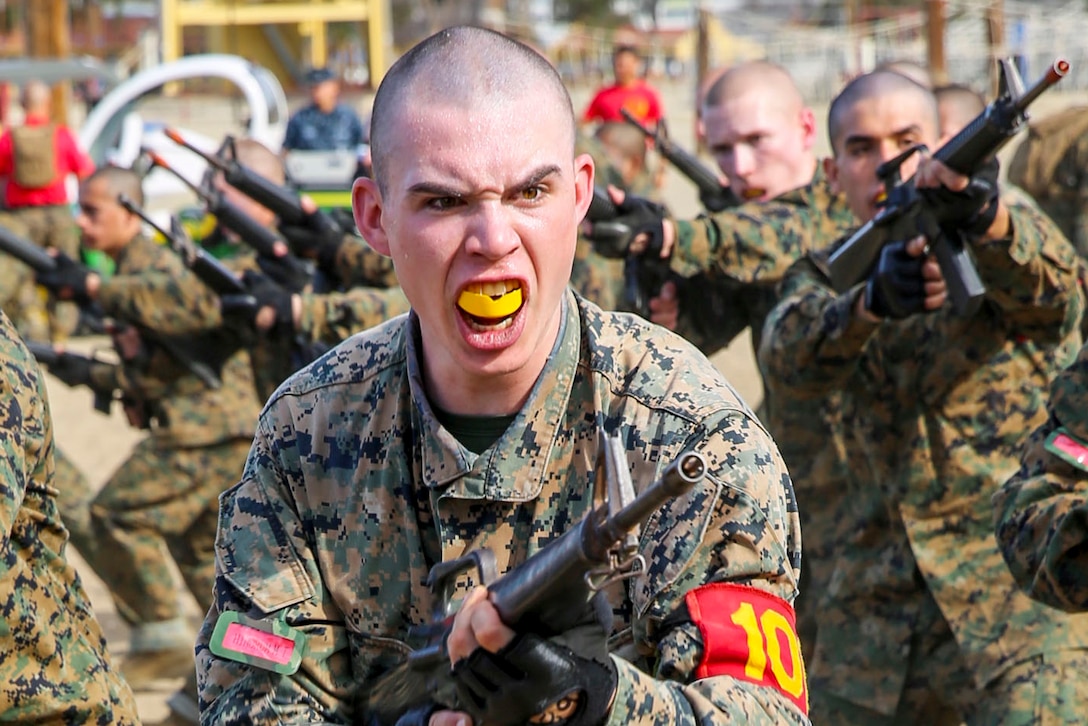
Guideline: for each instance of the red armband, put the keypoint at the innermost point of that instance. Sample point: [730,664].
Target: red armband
[751,635]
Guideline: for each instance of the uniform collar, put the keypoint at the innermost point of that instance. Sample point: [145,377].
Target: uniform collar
[514,467]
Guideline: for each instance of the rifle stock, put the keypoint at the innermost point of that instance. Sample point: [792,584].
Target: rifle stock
[907,214]
[558,579]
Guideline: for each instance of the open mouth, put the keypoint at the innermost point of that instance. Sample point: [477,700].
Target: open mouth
[880,199]
[490,305]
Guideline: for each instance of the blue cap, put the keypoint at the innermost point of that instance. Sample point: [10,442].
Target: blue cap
[319,75]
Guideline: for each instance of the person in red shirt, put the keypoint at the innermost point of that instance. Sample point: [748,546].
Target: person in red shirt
[36,159]
[630,92]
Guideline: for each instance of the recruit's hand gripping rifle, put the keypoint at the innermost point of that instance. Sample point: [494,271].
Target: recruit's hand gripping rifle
[40,261]
[547,591]
[712,195]
[907,214]
[55,361]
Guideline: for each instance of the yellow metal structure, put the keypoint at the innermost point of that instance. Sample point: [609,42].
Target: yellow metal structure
[299,21]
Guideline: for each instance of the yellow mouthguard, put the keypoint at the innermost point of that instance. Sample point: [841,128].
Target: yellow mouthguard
[752,193]
[485,306]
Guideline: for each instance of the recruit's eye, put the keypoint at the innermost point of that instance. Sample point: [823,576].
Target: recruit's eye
[532,193]
[443,203]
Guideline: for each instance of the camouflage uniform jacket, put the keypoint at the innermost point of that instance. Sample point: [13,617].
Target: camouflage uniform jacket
[352,491]
[331,317]
[1041,511]
[153,289]
[741,254]
[54,666]
[937,406]
[359,264]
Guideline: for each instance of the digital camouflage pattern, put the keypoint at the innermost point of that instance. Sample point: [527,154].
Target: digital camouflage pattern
[20,297]
[54,665]
[335,316]
[358,264]
[738,257]
[353,490]
[52,226]
[163,498]
[1040,511]
[937,407]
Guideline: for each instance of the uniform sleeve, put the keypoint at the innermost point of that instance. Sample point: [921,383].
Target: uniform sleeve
[168,299]
[1031,276]
[332,317]
[266,570]
[749,245]
[1041,513]
[812,339]
[14,466]
[735,544]
[357,263]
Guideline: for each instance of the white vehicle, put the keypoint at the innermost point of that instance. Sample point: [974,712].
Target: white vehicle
[132,116]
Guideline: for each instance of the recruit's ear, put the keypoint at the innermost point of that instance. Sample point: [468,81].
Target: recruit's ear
[366,206]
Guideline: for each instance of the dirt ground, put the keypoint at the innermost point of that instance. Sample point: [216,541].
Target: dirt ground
[98,444]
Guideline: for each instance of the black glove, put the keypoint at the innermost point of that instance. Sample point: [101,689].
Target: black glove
[895,288]
[68,279]
[972,210]
[73,369]
[612,237]
[318,238]
[531,675]
[267,293]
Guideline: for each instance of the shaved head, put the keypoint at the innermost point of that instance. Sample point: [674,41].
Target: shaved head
[958,106]
[873,85]
[261,159]
[623,138]
[914,71]
[763,76]
[118,181]
[464,67]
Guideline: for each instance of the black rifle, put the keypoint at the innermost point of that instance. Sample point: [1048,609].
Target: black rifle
[907,214]
[49,357]
[211,271]
[644,272]
[37,259]
[548,592]
[713,196]
[283,267]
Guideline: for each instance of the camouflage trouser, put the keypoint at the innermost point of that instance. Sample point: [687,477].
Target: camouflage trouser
[52,226]
[162,500]
[940,688]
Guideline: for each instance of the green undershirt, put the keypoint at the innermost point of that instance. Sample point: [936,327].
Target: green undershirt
[475,433]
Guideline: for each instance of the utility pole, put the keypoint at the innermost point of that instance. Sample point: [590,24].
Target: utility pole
[935,22]
[995,35]
[49,35]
